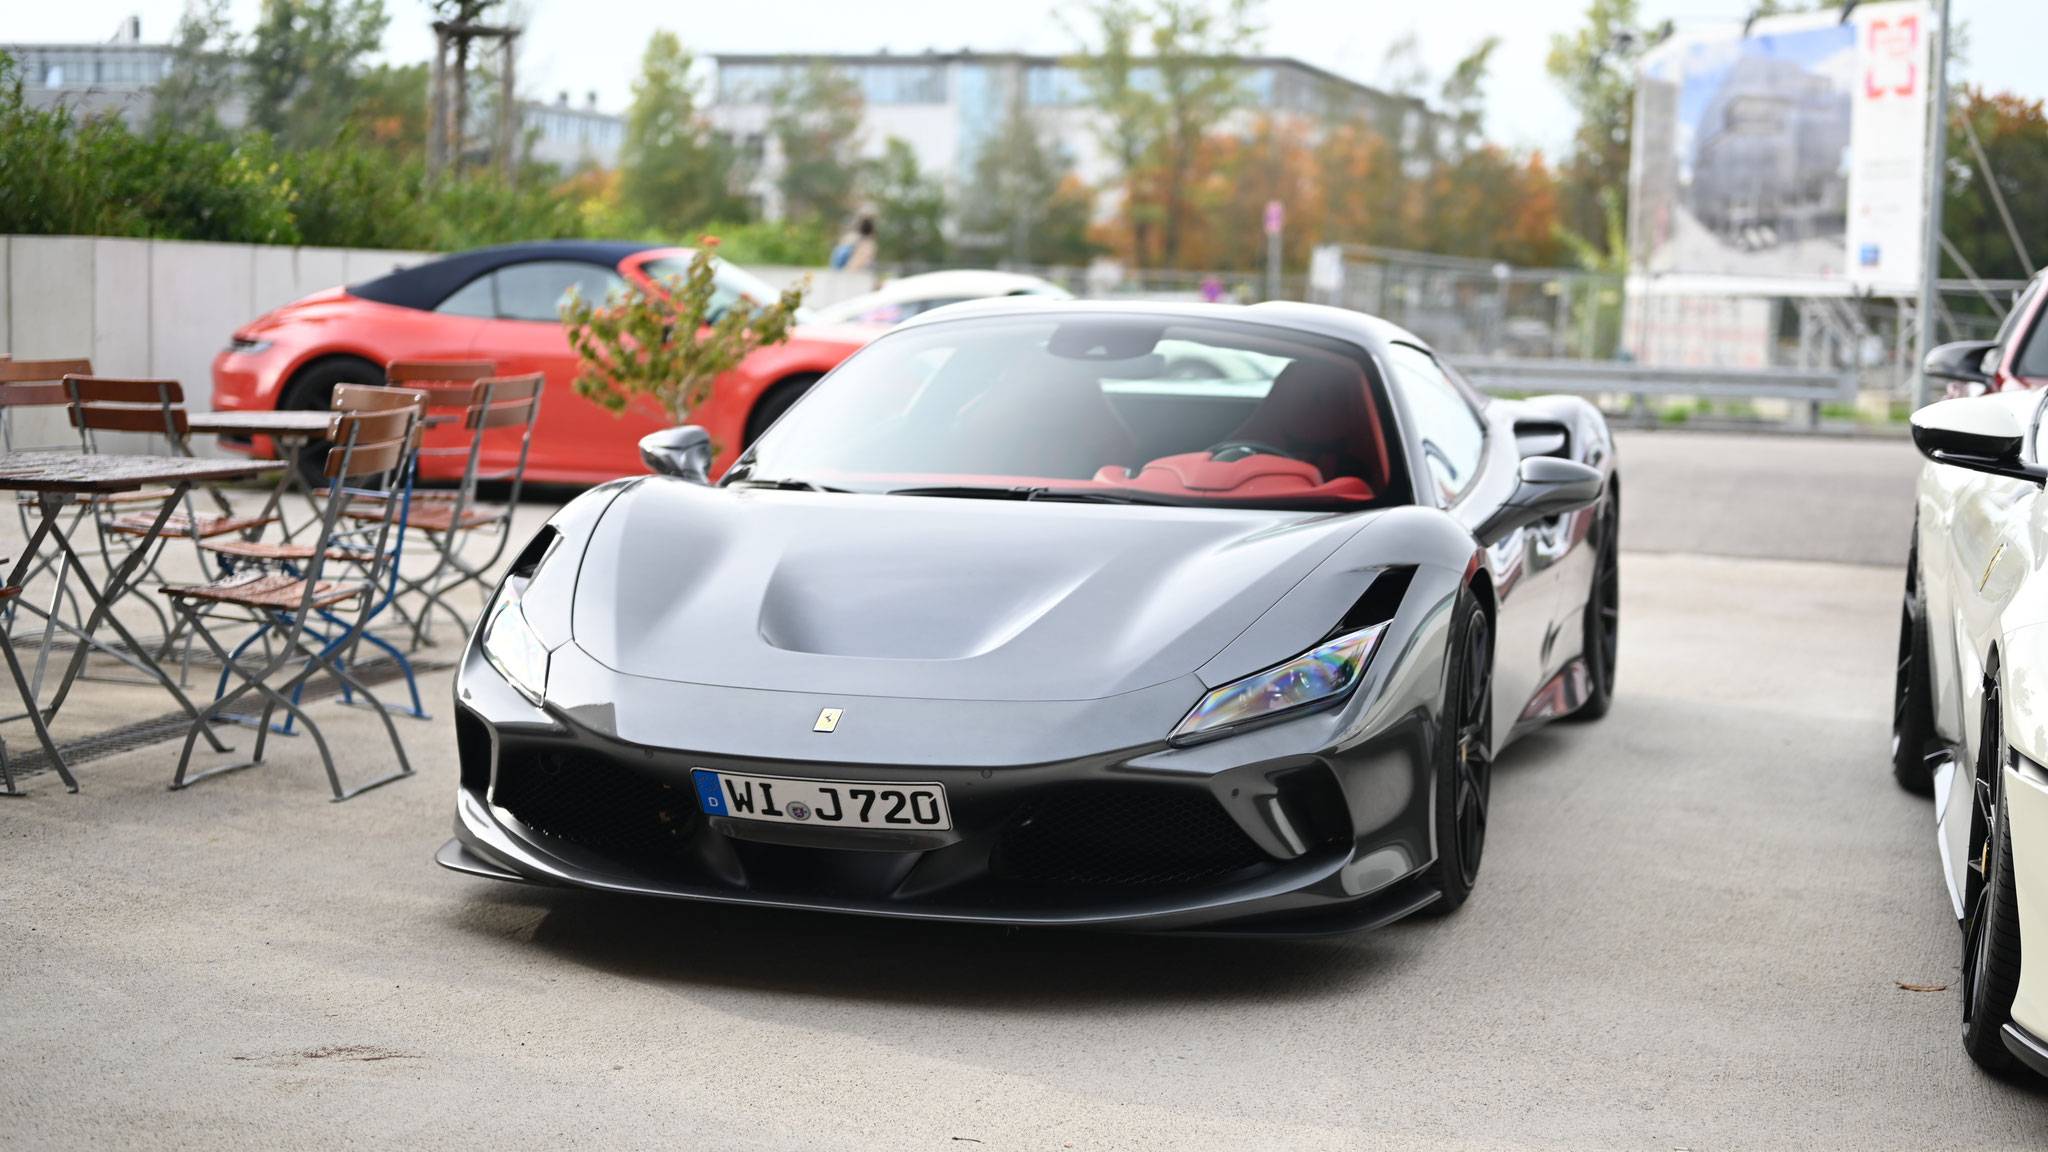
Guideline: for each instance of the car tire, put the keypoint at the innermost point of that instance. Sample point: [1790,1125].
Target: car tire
[1601,632]
[1991,934]
[773,403]
[312,390]
[1464,757]
[1912,689]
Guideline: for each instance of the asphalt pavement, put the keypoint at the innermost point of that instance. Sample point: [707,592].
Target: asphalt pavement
[1689,933]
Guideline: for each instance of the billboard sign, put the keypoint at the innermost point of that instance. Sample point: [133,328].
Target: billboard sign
[1794,153]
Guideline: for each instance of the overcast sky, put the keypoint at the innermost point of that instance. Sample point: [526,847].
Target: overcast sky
[581,45]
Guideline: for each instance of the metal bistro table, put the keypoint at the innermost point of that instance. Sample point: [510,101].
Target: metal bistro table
[57,479]
[290,431]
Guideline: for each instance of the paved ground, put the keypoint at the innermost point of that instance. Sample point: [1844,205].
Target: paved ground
[1688,934]
[1782,496]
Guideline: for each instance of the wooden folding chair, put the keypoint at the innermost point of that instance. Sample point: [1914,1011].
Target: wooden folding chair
[494,403]
[371,458]
[351,545]
[154,407]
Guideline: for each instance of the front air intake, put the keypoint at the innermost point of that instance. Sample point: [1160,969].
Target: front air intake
[1124,835]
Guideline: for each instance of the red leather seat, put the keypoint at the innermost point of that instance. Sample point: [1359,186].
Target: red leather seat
[1322,412]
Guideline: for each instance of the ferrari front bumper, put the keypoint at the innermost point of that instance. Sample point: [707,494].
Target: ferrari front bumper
[1286,834]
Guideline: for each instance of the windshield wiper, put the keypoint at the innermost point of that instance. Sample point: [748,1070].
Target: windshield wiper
[967,492]
[784,484]
[1026,492]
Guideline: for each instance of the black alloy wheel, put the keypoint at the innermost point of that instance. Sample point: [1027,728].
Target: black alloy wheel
[1465,763]
[1602,641]
[1912,689]
[1991,934]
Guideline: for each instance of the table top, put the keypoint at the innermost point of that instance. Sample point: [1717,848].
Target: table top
[77,472]
[260,422]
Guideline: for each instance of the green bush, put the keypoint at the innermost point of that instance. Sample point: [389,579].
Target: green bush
[65,174]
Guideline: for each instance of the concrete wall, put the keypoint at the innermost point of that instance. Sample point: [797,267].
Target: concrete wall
[154,308]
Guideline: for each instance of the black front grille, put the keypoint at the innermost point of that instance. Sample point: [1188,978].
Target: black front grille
[596,801]
[1124,835]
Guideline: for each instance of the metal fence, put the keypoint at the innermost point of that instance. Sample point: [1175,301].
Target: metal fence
[1503,324]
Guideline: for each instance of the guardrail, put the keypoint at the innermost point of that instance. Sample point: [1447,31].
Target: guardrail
[1638,381]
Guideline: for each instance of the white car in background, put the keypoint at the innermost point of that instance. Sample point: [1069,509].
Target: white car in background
[1970,711]
[899,300]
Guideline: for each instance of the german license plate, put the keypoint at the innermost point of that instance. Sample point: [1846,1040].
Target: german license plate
[830,803]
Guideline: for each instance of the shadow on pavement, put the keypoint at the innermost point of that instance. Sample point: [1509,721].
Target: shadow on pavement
[962,965]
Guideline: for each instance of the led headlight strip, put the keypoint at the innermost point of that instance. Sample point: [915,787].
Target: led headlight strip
[1321,675]
[513,649]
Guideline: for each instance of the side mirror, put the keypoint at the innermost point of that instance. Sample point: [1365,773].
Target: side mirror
[1981,433]
[683,452]
[1547,487]
[1962,360]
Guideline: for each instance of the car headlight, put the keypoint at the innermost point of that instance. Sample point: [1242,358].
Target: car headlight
[1322,675]
[512,648]
[247,346]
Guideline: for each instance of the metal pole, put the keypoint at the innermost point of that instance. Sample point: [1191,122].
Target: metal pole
[1937,161]
[1273,265]
[508,111]
[437,107]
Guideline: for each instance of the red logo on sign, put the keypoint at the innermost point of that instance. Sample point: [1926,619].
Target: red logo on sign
[1893,66]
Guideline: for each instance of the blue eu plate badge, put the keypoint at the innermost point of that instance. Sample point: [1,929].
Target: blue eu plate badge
[707,791]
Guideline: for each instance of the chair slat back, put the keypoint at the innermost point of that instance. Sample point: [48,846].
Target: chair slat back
[370,443]
[373,398]
[447,383]
[504,402]
[49,373]
[51,395]
[111,404]
[35,384]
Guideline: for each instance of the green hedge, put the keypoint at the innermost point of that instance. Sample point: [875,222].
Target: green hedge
[63,174]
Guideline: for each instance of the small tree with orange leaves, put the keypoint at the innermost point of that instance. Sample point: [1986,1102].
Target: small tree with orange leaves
[672,341]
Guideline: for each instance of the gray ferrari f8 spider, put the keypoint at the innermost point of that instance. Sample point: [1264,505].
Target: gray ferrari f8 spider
[1158,617]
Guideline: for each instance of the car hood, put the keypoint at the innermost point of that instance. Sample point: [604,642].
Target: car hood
[933,598]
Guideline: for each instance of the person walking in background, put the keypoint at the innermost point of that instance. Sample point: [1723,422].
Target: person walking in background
[855,251]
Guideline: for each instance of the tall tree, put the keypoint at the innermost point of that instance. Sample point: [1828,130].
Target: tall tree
[910,207]
[303,62]
[459,13]
[203,53]
[1195,50]
[1127,114]
[1463,96]
[1164,75]
[674,173]
[2014,134]
[815,119]
[391,107]
[1595,66]
[1016,206]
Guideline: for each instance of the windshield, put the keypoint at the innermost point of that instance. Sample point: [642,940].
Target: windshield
[731,283]
[1124,408]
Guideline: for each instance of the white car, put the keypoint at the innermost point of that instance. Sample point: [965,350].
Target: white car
[1970,715]
[899,300]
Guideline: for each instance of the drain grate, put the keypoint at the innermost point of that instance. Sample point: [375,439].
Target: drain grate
[27,758]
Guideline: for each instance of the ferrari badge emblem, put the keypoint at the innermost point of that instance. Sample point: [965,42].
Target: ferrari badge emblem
[827,720]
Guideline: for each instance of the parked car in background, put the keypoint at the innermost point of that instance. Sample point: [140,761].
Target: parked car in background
[899,300]
[503,305]
[1970,706]
[2016,358]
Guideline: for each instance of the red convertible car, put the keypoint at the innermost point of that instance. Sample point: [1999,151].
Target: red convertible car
[502,304]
